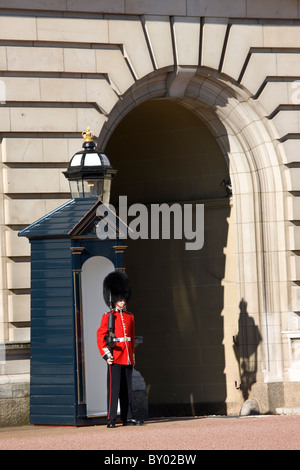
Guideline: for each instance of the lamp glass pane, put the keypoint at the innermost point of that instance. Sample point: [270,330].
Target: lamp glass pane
[76,160]
[76,188]
[92,187]
[105,160]
[106,191]
[92,159]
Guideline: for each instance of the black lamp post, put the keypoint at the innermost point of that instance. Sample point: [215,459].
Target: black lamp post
[90,172]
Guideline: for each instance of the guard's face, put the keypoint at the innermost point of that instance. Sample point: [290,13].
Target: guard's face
[121,303]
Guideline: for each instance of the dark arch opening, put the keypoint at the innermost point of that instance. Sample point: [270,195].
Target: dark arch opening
[164,154]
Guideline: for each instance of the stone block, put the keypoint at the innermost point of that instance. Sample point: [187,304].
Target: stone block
[129,33]
[286,122]
[73,145]
[22,150]
[56,5]
[5,120]
[21,88]
[167,7]
[41,120]
[14,411]
[295,268]
[291,151]
[93,30]
[293,208]
[63,90]
[96,6]
[60,149]
[18,275]
[296,299]
[21,334]
[272,9]
[226,8]
[90,117]
[19,28]
[26,211]
[19,308]
[157,86]
[35,59]
[100,92]
[273,94]
[34,180]
[241,38]
[178,81]
[112,62]
[187,40]
[159,33]
[280,35]
[3,58]
[35,149]
[248,239]
[288,64]
[292,177]
[259,67]
[246,202]
[16,246]
[214,30]
[79,60]
[232,8]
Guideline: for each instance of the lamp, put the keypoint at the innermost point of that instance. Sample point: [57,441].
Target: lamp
[89,171]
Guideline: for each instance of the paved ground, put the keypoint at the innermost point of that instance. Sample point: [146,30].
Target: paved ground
[201,433]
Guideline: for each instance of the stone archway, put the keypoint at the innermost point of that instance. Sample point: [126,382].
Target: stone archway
[165,155]
[248,145]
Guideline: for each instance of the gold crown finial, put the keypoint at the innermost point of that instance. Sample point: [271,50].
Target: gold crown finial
[88,135]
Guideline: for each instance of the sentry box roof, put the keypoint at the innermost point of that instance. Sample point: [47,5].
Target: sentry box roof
[76,217]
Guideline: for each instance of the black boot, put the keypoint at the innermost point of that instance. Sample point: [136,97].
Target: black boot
[111,424]
[133,422]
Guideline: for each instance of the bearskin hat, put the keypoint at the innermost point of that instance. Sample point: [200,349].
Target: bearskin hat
[116,287]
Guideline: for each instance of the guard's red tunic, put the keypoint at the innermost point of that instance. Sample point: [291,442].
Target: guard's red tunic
[123,352]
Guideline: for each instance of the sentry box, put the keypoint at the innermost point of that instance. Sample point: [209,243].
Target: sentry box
[68,265]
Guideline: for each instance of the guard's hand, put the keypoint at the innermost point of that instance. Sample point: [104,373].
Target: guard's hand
[110,360]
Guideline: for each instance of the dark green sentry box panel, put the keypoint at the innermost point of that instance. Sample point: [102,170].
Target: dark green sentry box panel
[60,243]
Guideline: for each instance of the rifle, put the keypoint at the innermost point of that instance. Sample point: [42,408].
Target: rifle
[111,328]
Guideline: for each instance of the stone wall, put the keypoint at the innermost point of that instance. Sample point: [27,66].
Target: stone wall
[65,65]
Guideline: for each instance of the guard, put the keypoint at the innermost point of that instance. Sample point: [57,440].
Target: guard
[115,339]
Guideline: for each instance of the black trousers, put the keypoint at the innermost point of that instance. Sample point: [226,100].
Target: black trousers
[119,385]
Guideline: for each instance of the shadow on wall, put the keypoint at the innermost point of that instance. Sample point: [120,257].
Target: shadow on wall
[246,348]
